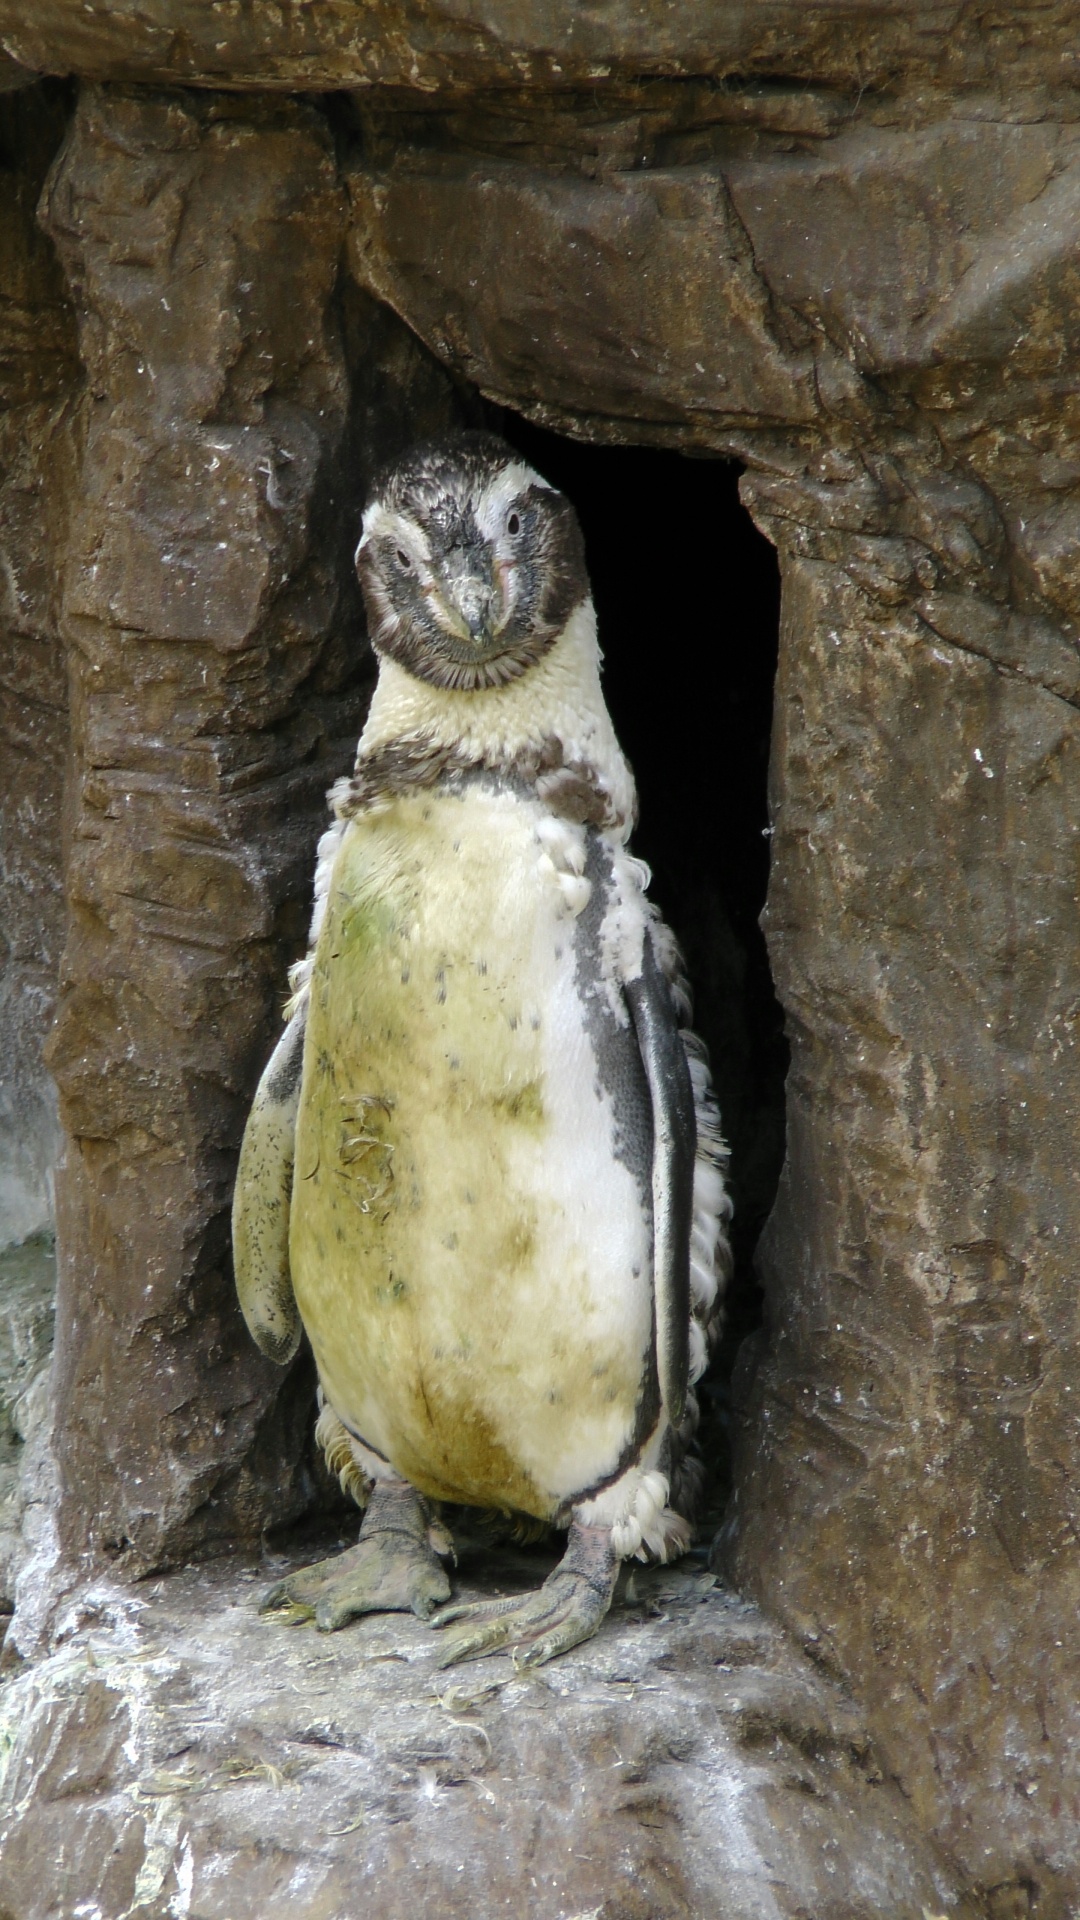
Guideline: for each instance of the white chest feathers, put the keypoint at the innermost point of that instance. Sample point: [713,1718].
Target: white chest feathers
[472,1235]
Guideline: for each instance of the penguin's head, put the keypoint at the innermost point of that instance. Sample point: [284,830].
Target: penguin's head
[470,563]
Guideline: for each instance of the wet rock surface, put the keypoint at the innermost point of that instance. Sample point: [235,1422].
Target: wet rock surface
[178,1755]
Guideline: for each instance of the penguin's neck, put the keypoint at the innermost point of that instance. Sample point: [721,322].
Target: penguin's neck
[557,700]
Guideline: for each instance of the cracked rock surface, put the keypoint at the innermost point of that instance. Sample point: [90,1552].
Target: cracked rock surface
[177,1757]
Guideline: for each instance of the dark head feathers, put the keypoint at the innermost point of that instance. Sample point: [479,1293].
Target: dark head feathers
[471,565]
[463,461]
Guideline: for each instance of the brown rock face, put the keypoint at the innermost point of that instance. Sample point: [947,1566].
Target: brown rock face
[920,1374]
[38,375]
[462,45]
[218,673]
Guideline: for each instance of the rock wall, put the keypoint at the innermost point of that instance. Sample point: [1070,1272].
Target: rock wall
[922,1309]
[39,375]
[463,45]
[236,396]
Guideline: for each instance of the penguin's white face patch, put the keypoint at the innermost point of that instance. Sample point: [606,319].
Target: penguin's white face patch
[500,502]
[500,513]
[471,564]
[380,523]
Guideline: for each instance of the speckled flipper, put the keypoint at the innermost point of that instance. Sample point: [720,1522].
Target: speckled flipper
[674,1148]
[262,1199]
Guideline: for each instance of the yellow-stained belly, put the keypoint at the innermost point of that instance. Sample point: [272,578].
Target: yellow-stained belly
[468,1254]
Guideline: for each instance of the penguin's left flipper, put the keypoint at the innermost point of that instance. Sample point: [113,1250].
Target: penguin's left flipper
[262,1200]
[674,1149]
[566,1610]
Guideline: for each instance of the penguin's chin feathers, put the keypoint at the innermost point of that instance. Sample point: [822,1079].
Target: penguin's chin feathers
[429,652]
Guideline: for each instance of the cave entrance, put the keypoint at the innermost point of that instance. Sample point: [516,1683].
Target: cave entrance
[688,602]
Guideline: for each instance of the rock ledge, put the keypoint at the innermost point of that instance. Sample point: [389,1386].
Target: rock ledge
[177,1755]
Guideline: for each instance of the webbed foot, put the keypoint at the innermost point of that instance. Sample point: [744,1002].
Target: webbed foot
[566,1610]
[393,1568]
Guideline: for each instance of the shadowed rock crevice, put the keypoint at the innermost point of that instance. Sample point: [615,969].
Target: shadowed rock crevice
[40,379]
[39,376]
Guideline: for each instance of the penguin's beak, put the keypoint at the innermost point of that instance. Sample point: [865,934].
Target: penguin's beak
[472,597]
[475,605]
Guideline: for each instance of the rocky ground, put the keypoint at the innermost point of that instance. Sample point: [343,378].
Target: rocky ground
[179,1757]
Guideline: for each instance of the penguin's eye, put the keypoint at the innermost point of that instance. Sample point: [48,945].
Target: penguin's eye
[404,561]
[513,524]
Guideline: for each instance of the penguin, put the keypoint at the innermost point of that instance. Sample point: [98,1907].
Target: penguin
[483,1171]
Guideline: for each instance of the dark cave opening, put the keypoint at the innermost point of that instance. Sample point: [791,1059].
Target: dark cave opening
[687,595]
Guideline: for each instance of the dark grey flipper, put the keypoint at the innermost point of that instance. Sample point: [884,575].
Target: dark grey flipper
[674,1148]
[263,1198]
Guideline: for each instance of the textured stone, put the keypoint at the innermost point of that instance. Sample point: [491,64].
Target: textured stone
[465,44]
[663,274]
[219,672]
[178,1756]
[921,1373]
[39,374]
[27,1310]
[621,326]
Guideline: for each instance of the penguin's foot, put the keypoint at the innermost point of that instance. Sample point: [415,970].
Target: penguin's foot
[393,1568]
[567,1609]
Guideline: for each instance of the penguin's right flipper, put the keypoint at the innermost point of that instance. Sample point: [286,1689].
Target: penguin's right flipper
[674,1148]
[263,1197]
